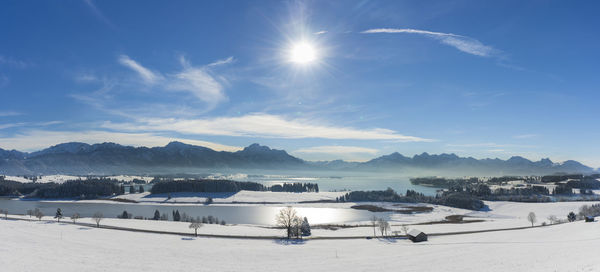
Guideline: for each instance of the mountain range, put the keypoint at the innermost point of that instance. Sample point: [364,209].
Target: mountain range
[109,159]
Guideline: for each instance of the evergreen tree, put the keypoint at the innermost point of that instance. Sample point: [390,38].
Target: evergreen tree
[156,215]
[141,189]
[176,216]
[58,215]
[125,215]
[305,227]
[571,217]
[132,189]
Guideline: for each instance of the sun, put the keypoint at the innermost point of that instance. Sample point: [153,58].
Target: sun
[303,53]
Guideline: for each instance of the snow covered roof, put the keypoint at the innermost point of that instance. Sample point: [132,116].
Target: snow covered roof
[415,232]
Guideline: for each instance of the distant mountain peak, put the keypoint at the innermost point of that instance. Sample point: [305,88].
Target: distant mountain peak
[257,148]
[177,144]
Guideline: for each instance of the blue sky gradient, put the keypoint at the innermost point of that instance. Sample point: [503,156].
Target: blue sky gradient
[475,78]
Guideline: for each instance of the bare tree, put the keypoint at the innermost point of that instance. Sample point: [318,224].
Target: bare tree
[374,224]
[195,225]
[404,229]
[297,227]
[98,216]
[531,218]
[39,214]
[5,212]
[383,225]
[287,218]
[74,217]
[553,219]
[30,213]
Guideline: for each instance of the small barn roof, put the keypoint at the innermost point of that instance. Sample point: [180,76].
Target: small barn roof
[415,232]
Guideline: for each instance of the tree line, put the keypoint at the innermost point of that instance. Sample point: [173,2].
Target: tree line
[220,186]
[84,189]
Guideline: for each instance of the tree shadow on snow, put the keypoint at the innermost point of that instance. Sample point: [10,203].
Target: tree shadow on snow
[188,238]
[84,228]
[286,242]
[388,240]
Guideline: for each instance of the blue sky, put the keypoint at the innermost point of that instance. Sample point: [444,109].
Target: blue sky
[475,78]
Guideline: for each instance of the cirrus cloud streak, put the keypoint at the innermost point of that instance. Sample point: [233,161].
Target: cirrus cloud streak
[263,126]
[462,43]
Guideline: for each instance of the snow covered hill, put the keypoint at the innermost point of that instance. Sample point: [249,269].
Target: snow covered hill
[40,246]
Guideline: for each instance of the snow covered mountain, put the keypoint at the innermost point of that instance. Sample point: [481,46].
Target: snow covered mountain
[176,157]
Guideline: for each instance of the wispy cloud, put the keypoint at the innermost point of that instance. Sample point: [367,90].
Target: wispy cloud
[490,145]
[525,136]
[264,126]
[32,140]
[320,32]
[14,62]
[9,113]
[197,81]
[10,125]
[30,124]
[463,43]
[86,77]
[98,13]
[337,149]
[148,76]
[222,61]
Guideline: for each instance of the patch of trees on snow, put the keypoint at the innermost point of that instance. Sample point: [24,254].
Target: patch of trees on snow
[294,225]
[448,198]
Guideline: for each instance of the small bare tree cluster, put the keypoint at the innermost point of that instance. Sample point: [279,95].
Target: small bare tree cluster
[384,226]
[38,214]
[74,217]
[531,218]
[288,219]
[404,229]
[553,219]
[381,224]
[97,217]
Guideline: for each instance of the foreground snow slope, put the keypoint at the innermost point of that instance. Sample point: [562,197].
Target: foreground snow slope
[35,246]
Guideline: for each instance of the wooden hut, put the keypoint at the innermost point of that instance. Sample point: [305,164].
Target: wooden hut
[416,236]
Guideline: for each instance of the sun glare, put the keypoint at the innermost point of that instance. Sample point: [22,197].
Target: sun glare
[303,53]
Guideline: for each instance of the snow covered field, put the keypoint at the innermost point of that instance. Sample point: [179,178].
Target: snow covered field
[40,246]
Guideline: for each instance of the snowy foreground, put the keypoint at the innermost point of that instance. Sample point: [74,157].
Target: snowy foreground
[50,246]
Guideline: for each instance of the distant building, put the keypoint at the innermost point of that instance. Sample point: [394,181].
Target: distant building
[589,219]
[416,236]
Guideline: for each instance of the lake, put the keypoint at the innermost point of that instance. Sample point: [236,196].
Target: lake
[260,214]
[332,180]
